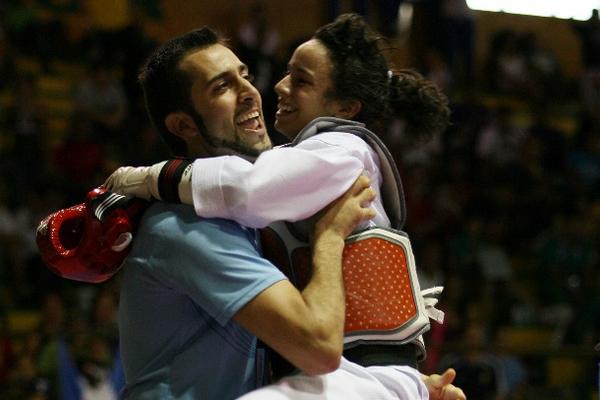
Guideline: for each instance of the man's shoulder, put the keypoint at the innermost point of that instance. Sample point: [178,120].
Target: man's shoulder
[170,229]
[178,222]
[167,213]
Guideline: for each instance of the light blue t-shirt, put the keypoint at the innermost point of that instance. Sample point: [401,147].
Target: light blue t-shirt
[183,281]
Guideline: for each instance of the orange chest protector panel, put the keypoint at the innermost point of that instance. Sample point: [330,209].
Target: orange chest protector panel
[383,296]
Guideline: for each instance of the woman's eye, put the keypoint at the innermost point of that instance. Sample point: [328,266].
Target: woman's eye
[249,77]
[298,81]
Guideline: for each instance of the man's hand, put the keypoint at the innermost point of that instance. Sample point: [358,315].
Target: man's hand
[140,182]
[440,387]
[343,215]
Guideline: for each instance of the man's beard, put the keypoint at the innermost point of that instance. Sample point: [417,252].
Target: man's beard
[236,146]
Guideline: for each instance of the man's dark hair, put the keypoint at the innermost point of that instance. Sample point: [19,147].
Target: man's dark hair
[361,72]
[167,87]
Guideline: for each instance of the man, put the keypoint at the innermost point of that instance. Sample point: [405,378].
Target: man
[195,291]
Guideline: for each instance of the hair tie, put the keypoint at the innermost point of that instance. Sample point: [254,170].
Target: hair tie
[390,74]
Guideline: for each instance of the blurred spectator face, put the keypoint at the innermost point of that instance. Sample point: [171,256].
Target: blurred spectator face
[304,93]
[106,309]
[54,313]
[102,76]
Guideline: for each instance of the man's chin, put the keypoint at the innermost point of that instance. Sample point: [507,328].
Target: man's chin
[250,150]
[242,150]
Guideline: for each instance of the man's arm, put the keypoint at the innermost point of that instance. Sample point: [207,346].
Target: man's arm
[307,327]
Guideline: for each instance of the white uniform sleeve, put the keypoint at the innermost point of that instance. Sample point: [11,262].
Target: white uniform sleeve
[287,183]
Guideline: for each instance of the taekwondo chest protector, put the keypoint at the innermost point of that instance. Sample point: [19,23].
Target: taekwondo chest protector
[384,304]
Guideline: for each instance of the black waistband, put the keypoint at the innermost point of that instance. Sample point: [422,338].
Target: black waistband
[362,354]
[382,354]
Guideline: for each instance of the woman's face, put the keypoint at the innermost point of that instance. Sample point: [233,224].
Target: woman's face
[302,93]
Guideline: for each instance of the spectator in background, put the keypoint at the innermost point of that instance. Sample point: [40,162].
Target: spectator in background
[510,74]
[108,22]
[136,46]
[484,374]
[589,37]
[385,18]
[566,252]
[459,24]
[583,159]
[26,380]
[79,159]
[25,124]
[553,141]
[90,372]
[148,147]
[101,98]
[35,30]
[7,353]
[500,138]
[9,242]
[69,357]
[8,70]
[590,91]
[436,69]
[52,331]
[20,212]
[104,318]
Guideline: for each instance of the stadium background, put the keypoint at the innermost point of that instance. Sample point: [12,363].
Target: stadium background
[503,208]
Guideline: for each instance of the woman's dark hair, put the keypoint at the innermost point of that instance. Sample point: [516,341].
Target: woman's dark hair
[361,72]
[167,87]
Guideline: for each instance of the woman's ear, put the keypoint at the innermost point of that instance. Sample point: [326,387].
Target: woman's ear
[348,109]
[181,124]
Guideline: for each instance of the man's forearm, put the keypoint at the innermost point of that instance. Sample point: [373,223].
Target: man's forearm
[304,327]
[324,294]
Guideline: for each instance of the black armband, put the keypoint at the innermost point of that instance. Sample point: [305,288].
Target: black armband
[169,178]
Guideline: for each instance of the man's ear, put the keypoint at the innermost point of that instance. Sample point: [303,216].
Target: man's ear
[348,109]
[181,124]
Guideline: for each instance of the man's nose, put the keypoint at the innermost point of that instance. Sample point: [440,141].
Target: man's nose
[247,91]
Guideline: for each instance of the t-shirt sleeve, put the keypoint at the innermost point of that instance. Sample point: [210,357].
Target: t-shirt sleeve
[215,262]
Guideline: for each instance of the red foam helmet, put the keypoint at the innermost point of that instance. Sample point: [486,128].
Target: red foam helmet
[89,241]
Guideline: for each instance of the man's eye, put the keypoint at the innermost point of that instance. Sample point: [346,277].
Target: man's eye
[249,77]
[221,86]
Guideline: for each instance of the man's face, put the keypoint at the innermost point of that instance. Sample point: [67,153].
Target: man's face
[303,91]
[229,106]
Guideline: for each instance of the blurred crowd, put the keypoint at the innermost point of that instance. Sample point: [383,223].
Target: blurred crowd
[503,207]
